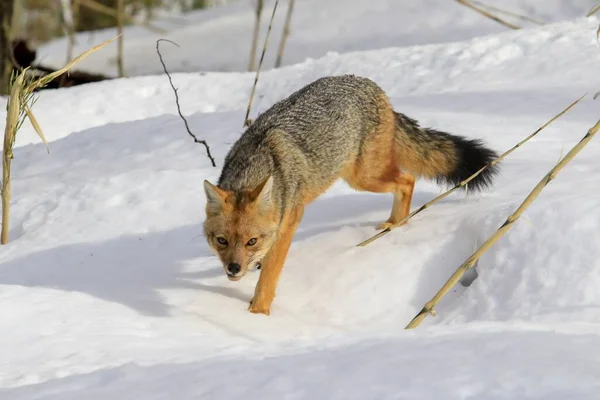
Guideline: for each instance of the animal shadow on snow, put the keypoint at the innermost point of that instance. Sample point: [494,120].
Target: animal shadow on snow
[132,269]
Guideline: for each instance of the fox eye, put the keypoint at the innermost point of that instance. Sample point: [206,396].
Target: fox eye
[222,241]
[251,242]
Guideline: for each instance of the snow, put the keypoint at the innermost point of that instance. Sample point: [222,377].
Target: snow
[218,39]
[107,288]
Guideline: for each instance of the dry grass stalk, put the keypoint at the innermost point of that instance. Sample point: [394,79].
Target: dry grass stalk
[19,100]
[469,179]
[506,12]
[259,7]
[594,10]
[120,23]
[470,262]
[247,122]
[485,13]
[286,33]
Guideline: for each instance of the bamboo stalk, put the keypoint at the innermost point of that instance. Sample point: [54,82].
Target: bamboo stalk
[470,262]
[506,12]
[120,23]
[483,12]
[12,121]
[285,34]
[98,7]
[594,10]
[18,109]
[259,8]
[262,57]
[469,179]
[92,5]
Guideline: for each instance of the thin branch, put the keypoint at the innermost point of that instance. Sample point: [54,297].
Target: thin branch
[259,8]
[470,262]
[469,179]
[262,56]
[483,12]
[187,127]
[285,34]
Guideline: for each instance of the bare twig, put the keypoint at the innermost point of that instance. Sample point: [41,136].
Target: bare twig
[470,262]
[285,34]
[259,7]
[483,12]
[469,179]
[506,12]
[187,127]
[120,23]
[262,57]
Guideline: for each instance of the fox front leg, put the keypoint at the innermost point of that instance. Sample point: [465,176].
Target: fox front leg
[270,270]
[271,267]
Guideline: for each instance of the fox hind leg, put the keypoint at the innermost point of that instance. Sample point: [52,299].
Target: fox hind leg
[376,166]
[405,184]
[392,180]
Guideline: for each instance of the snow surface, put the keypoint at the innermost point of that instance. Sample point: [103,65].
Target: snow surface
[218,39]
[108,290]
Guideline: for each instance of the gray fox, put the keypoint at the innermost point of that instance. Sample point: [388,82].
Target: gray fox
[335,127]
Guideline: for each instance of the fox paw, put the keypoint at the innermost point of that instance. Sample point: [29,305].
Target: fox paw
[258,308]
[388,224]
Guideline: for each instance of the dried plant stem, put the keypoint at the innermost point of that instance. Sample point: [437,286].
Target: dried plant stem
[469,179]
[10,130]
[120,23]
[6,159]
[262,57]
[259,7]
[594,10]
[21,94]
[485,13]
[187,127]
[512,14]
[65,9]
[470,262]
[285,34]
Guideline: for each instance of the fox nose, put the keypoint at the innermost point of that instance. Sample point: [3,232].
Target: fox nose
[233,268]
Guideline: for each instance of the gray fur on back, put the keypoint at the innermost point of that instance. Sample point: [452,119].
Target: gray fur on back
[307,137]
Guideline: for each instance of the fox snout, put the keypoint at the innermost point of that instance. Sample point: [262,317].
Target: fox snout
[233,271]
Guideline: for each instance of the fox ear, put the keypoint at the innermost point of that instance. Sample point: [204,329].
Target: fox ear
[214,196]
[261,195]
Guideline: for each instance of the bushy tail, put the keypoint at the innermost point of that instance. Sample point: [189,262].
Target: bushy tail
[447,159]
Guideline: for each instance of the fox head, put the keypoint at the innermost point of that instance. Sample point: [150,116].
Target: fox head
[240,227]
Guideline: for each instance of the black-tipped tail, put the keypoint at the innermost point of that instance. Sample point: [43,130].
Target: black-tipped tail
[471,156]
